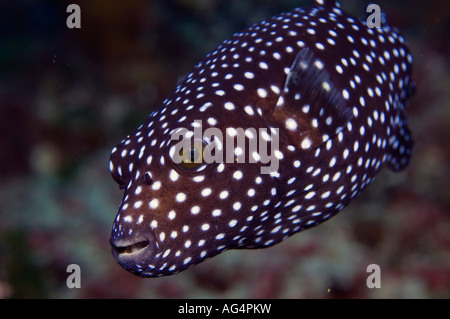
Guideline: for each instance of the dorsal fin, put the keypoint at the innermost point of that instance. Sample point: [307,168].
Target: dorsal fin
[310,106]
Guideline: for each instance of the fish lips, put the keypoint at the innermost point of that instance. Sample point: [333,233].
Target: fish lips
[134,253]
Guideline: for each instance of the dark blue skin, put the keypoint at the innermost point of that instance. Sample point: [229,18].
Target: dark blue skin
[336,91]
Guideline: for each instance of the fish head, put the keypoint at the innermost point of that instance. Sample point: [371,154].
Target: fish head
[273,132]
[183,184]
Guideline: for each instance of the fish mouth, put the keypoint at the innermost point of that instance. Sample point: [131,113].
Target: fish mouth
[130,249]
[133,253]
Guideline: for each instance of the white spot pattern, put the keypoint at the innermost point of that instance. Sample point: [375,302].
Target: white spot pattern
[172,218]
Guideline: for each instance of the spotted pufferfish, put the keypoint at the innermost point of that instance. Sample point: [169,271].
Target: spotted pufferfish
[331,92]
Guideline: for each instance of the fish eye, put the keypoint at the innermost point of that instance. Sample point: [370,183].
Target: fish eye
[192,157]
[193,154]
[189,155]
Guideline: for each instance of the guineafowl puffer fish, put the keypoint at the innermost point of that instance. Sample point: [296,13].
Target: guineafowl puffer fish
[322,93]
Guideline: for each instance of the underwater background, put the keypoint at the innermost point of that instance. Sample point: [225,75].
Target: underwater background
[67,96]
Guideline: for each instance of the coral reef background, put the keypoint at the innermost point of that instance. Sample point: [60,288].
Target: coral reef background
[67,96]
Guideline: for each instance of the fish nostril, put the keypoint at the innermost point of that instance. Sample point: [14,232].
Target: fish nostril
[148,179]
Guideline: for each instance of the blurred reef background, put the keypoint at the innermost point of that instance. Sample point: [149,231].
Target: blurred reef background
[67,96]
